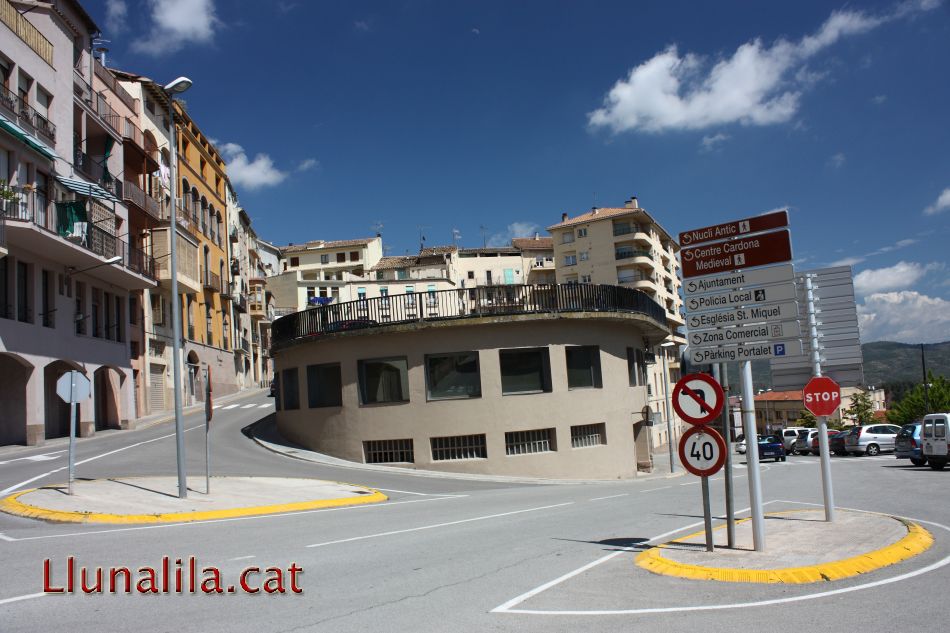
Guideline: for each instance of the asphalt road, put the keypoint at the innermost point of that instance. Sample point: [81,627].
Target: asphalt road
[451,555]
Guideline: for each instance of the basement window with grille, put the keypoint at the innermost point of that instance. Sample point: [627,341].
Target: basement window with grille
[458,447]
[527,442]
[388,451]
[585,435]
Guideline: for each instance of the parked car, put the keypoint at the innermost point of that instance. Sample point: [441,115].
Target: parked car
[740,444]
[908,444]
[790,436]
[871,439]
[273,388]
[803,443]
[935,441]
[815,450]
[836,443]
[771,447]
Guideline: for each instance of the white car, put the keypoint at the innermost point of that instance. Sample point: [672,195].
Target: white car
[740,445]
[789,436]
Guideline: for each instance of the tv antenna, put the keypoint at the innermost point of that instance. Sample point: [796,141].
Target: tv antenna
[377,228]
[484,230]
[422,237]
[456,236]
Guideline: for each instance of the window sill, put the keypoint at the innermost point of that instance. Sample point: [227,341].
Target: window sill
[439,399]
[523,393]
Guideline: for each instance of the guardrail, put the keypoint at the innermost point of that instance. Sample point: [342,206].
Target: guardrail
[463,303]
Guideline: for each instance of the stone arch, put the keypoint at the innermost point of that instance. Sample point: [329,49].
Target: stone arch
[107,401]
[57,411]
[15,375]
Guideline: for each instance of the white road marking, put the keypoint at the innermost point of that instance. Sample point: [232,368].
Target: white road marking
[438,525]
[691,483]
[200,523]
[610,497]
[26,597]
[264,406]
[655,489]
[241,557]
[421,494]
[4,537]
[34,458]
[248,406]
[217,406]
[230,406]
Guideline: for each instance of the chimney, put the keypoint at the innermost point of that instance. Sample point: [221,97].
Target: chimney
[535,235]
[593,210]
[632,203]
[563,217]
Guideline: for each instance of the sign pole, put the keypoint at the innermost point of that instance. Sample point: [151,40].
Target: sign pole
[208,412]
[72,431]
[752,457]
[707,515]
[826,488]
[727,476]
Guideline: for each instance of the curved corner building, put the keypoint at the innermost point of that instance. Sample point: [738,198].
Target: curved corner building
[536,381]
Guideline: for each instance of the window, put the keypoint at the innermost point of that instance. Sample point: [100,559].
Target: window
[388,451]
[526,442]
[636,367]
[584,256]
[383,380]
[80,308]
[133,310]
[324,386]
[24,311]
[324,259]
[361,293]
[384,295]
[450,376]
[585,279]
[581,232]
[4,287]
[585,435]
[118,322]
[294,261]
[291,391]
[525,370]
[570,260]
[458,447]
[158,309]
[47,298]
[471,274]
[567,237]
[340,258]
[354,256]
[410,296]
[583,367]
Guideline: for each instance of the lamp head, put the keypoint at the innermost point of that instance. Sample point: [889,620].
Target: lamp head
[178,86]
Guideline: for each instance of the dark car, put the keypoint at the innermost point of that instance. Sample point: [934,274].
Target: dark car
[771,447]
[836,443]
[908,444]
[815,446]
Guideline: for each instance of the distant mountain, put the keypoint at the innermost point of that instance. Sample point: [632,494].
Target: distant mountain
[884,362]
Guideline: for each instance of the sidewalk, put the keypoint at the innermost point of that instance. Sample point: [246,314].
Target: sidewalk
[265,434]
[148,421]
[134,500]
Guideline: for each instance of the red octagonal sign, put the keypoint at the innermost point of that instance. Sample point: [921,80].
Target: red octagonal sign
[822,395]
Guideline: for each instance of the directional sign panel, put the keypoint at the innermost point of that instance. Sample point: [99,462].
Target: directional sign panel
[743,297]
[764,222]
[698,398]
[754,314]
[756,333]
[746,252]
[736,353]
[740,279]
[702,451]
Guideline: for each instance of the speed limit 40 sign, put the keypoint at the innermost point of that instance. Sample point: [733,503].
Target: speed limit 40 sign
[702,451]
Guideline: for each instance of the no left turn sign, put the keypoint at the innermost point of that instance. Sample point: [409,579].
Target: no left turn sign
[698,398]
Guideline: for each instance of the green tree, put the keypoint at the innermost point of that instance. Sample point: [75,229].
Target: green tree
[913,406]
[861,409]
[806,419]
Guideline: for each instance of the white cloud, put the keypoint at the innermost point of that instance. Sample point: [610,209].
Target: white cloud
[941,205]
[362,26]
[857,259]
[251,174]
[515,229]
[900,276]
[176,23]
[847,261]
[709,143]
[837,161]
[117,13]
[476,31]
[758,85]
[905,317]
[878,99]
[308,164]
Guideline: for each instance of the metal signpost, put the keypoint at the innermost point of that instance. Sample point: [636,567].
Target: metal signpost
[72,387]
[721,374]
[209,409]
[703,452]
[822,396]
[741,305]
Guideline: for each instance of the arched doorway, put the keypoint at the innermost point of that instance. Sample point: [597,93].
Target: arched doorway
[107,385]
[194,377]
[57,411]
[14,375]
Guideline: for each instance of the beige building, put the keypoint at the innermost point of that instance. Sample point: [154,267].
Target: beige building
[537,254]
[549,383]
[780,409]
[627,247]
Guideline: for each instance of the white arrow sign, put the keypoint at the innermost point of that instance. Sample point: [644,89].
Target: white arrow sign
[736,280]
[754,314]
[741,297]
[757,333]
[735,353]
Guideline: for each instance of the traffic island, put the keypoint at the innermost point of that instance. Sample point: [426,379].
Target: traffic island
[801,547]
[133,500]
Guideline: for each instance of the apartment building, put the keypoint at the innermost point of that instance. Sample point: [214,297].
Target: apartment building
[625,246]
[74,264]
[537,255]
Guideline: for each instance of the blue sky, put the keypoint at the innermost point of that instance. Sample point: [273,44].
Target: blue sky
[502,115]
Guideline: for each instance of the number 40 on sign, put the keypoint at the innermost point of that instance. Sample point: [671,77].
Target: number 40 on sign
[702,451]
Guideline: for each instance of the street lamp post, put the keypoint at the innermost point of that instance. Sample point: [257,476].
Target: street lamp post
[666,403]
[176,87]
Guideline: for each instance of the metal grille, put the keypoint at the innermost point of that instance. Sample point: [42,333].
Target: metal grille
[525,442]
[458,447]
[388,451]
[588,435]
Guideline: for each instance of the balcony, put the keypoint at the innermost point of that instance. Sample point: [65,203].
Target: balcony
[109,80]
[97,172]
[146,145]
[132,193]
[640,281]
[242,346]
[239,301]
[212,281]
[28,117]
[630,253]
[187,256]
[73,239]
[26,31]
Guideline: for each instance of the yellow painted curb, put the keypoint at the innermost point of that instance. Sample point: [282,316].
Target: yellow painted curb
[916,541]
[12,505]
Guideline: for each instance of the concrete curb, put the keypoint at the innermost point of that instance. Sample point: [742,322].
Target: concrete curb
[917,541]
[340,463]
[12,505]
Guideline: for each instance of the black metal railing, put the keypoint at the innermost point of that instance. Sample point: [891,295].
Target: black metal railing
[464,303]
[97,172]
[628,253]
[27,114]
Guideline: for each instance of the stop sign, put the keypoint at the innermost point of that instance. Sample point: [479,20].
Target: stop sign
[822,395]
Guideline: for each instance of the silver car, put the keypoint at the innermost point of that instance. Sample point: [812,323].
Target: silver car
[871,439]
[803,442]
